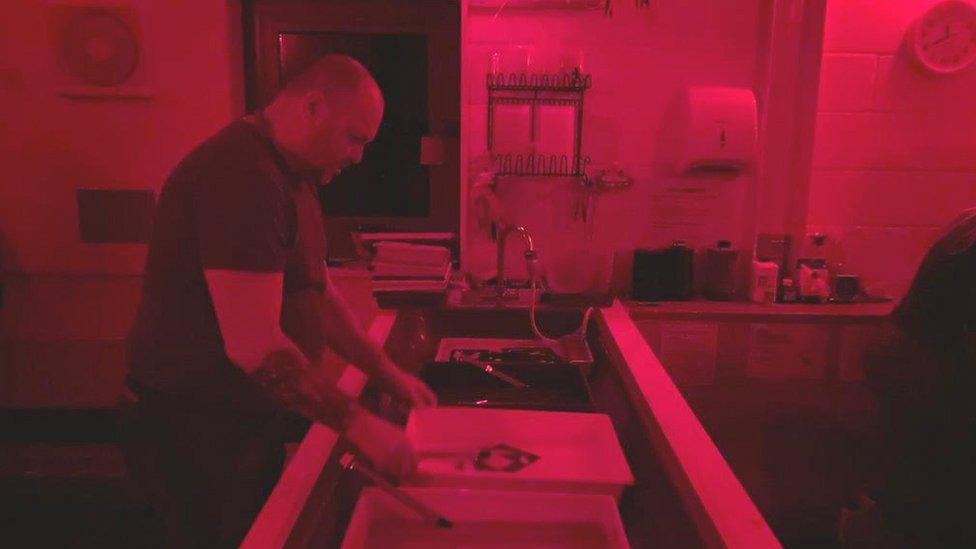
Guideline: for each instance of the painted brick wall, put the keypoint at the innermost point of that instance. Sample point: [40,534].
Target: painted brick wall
[895,150]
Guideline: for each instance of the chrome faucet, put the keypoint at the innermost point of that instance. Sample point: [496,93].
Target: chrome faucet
[530,257]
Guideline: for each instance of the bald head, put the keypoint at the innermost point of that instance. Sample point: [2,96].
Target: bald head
[334,75]
[327,114]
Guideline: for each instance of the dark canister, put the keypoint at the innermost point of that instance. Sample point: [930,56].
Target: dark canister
[846,287]
[720,262]
[663,274]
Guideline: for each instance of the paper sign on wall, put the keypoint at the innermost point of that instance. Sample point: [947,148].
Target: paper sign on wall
[688,351]
[778,351]
[687,203]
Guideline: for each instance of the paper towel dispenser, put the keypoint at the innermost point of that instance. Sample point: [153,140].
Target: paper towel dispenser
[717,129]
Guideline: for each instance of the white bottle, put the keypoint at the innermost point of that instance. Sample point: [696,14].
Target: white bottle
[764,281]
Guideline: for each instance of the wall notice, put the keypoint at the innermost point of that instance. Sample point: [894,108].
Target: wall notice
[688,351]
[688,203]
[714,200]
[778,351]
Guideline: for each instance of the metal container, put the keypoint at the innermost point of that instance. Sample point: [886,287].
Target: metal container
[664,274]
[720,264]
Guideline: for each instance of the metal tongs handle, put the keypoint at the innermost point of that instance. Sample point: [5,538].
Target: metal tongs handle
[349,461]
[492,371]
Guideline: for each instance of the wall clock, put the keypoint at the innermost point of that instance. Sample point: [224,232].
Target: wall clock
[943,40]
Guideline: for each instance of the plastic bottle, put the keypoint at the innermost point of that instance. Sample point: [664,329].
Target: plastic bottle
[812,271]
[765,278]
[787,292]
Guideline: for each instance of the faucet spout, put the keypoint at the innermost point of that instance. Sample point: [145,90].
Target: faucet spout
[529,254]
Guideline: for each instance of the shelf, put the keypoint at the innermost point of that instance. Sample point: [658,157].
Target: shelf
[563,90]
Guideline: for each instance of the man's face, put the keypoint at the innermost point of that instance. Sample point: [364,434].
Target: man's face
[339,132]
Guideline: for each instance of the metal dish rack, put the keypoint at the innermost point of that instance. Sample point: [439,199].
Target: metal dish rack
[564,89]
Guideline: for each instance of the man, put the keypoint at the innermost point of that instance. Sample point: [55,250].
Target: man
[921,372]
[237,308]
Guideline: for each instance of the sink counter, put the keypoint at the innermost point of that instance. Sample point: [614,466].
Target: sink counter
[759,312]
[685,494]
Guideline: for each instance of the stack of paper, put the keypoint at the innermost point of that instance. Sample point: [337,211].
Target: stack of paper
[400,266]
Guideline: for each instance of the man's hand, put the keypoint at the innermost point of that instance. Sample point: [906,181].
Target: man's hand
[384,444]
[411,390]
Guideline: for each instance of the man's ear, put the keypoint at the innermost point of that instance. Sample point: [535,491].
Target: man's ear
[316,106]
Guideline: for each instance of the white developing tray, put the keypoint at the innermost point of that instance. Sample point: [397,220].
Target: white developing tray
[485,518]
[553,451]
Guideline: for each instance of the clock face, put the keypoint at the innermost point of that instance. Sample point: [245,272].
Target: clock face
[945,37]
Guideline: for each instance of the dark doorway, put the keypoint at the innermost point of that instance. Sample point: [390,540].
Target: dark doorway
[390,181]
[413,50]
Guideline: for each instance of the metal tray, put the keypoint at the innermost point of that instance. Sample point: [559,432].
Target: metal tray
[551,386]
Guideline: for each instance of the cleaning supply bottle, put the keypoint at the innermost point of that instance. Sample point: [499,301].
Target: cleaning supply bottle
[814,284]
[764,281]
[787,293]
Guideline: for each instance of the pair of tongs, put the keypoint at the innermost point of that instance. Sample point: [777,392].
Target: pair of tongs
[350,462]
[487,368]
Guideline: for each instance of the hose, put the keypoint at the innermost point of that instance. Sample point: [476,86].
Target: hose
[533,282]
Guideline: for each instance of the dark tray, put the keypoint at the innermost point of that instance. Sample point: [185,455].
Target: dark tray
[550,386]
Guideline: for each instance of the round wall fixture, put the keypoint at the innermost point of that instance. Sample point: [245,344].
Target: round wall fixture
[943,40]
[98,47]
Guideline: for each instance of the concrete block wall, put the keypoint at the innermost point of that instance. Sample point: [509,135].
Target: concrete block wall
[895,151]
[68,305]
[639,59]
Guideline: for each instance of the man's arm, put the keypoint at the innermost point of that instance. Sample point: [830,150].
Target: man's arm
[248,307]
[344,335]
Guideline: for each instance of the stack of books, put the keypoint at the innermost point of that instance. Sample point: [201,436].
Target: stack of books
[404,267]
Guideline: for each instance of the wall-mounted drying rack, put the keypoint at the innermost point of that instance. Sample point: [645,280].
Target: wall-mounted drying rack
[574,81]
[540,165]
[563,89]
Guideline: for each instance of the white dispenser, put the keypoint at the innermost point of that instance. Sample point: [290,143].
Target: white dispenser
[718,129]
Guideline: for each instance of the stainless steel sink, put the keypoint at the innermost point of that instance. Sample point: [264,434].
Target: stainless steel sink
[417,334]
[512,385]
[425,340]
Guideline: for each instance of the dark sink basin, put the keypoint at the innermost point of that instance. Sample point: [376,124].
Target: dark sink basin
[557,386]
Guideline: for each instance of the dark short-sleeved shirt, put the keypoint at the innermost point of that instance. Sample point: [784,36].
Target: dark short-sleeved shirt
[231,204]
[943,293]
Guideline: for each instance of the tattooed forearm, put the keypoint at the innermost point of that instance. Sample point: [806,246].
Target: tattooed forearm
[287,376]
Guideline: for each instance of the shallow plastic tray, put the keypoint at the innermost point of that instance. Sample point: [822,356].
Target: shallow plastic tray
[577,453]
[485,518]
